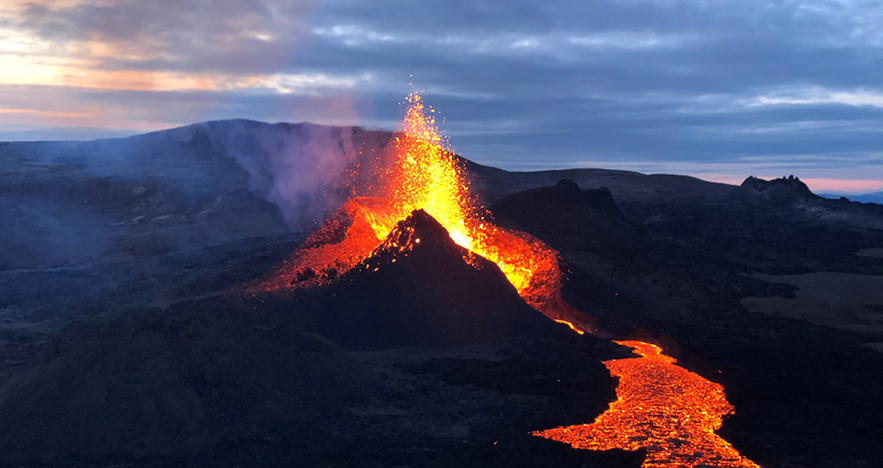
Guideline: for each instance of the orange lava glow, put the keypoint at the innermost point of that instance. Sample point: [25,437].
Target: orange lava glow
[427,176]
[572,327]
[341,243]
[424,175]
[662,407]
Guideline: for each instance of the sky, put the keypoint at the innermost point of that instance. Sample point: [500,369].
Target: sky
[715,89]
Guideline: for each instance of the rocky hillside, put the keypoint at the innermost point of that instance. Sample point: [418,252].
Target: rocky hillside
[195,210]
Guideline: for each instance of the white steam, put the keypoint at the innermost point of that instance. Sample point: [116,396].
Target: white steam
[301,168]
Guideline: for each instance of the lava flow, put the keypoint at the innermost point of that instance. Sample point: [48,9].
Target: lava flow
[424,175]
[662,407]
[665,408]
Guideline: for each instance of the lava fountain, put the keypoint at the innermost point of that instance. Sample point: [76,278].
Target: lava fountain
[424,175]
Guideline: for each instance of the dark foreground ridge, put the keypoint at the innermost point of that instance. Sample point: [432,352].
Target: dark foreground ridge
[151,383]
[210,381]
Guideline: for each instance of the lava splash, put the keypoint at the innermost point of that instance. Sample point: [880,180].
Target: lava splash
[662,407]
[424,175]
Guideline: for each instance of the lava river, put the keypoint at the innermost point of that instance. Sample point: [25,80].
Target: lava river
[662,407]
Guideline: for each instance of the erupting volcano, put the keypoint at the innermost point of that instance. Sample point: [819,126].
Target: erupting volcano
[424,175]
[664,408]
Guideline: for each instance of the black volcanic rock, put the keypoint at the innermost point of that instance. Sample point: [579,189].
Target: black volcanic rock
[154,383]
[804,395]
[420,288]
[563,212]
[785,187]
[588,221]
[184,381]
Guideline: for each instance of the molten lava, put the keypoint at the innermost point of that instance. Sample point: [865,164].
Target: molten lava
[662,407]
[424,175]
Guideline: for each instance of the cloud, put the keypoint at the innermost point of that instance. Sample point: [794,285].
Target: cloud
[522,84]
[166,37]
[820,95]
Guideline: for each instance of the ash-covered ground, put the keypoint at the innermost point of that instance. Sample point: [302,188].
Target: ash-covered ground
[125,337]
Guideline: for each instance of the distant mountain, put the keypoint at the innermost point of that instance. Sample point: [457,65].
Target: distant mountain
[69,202]
[66,204]
[876,197]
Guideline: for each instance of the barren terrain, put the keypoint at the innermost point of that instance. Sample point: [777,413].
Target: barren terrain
[122,313]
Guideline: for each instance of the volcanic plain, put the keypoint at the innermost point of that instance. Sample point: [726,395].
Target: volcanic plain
[129,335]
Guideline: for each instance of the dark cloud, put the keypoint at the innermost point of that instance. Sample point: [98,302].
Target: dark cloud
[244,36]
[528,84]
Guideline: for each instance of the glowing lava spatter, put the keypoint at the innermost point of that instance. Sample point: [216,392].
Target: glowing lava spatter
[662,407]
[425,175]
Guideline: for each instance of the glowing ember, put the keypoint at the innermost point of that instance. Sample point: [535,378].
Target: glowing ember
[346,239]
[664,408]
[424,175]
[572,327]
